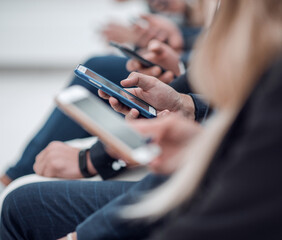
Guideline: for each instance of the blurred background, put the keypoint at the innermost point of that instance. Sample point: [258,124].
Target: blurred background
[41,42]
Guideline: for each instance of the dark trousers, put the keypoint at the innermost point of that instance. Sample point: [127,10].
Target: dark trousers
[50,210]
[58,126]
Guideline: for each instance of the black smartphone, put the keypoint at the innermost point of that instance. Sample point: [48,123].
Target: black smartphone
[133,54]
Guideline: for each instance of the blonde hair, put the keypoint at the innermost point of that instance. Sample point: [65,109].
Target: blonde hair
[245,37]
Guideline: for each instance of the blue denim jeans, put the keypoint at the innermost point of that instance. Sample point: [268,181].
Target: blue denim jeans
[50,210]
[58,126]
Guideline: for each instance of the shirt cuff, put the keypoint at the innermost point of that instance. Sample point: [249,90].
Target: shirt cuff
[201,108]
[106,166]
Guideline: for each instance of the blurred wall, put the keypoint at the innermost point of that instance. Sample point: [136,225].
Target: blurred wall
[56,33]
[41,41]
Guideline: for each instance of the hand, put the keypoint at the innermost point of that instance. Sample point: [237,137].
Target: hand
[74,237]
[59,160]
[154,92]
[118,33]
[161,54]
[159,28]
[172,133]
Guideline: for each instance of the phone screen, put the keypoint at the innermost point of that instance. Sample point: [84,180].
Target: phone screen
[104,117]
[124,93]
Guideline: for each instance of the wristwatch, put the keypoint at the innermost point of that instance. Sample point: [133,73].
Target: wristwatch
[82,160]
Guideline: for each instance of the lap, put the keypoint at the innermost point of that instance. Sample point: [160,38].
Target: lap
[55,208]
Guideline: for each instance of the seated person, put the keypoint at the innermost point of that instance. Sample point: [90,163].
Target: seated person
[54,160]
[139,34]
[226,172]
[57,126]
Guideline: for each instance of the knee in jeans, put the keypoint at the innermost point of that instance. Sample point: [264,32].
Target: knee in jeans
[9,208]
[16,204]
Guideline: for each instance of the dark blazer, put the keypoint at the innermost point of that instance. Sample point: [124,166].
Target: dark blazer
[241,195]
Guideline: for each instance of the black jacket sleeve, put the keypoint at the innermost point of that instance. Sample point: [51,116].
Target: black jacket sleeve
[181,85]
[103,162]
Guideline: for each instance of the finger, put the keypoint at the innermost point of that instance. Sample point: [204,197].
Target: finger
[148,17]
[176,41]
[39,162]
[139,35]
[157,128]
[118,107]
[103,94]
[163,113]
[162,36]
[167,77]
[156,46]
[145,126]
[148,36]
[140,27]
[39,166]
[149,55]
[140,80]
[48,172]
[152,71]
[154,164]
[133,65]
[133,114]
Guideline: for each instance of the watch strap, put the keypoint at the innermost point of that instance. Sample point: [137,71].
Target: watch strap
[82,160]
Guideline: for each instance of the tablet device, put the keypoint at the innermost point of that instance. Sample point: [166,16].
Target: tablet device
[100,120]
[116,91]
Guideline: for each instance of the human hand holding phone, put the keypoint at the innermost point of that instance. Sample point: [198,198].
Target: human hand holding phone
[152,90]
[112,89]
[149,67]
[160,28]
[100,120]
[118,32]
[173,133]
[161,54]
[132,54]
